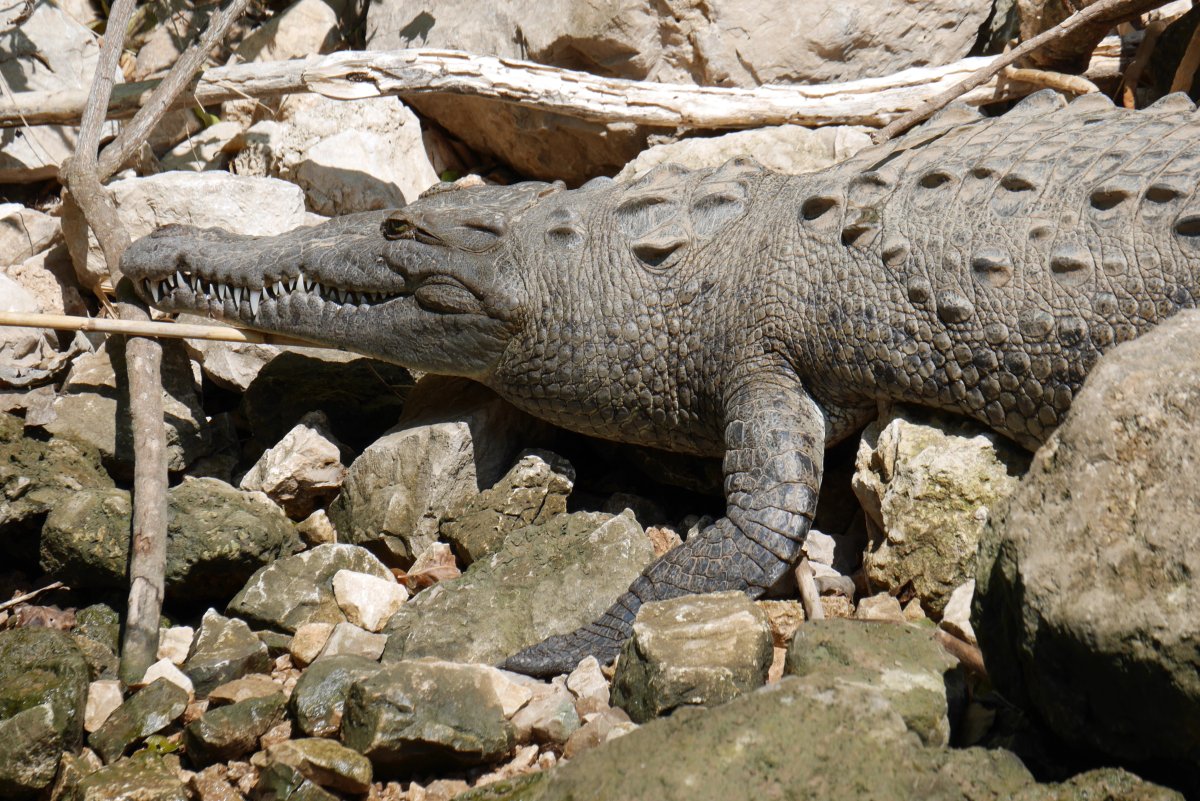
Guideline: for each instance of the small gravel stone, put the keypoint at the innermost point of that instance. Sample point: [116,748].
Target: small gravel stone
[102,698]
[956,618]
[880,607]
[316,529]
[549,718]
[308,641]
[596,729]
[166,669]
[819,547]
[255,685]
[368,601]
[174,643]
[587,683]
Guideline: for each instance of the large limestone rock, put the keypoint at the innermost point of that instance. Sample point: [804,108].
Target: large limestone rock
[696,650]
[347,157]
[217,538]
[224,649]
[546,580]
[25,232]
[1087,606]
[319,698]
[303,470]
[236,203]
[726,43]
[304,28]
[48,52]
[454,440]
[89,408]
[24,352]
[928,484]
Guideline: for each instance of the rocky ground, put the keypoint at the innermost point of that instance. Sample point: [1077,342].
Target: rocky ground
[351,549]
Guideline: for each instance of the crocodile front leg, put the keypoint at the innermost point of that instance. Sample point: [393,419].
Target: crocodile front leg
[775,444]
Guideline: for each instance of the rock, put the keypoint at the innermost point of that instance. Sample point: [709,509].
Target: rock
[24,351]
[230,732]
[424,714]
[303,470]
[30,748]
[36,477]
[24,233]
[346,158]
[209,149]
[361,397]
[534,490]
[736,43]
[41,668]
[212,784]
[308,641]
[304,28]
[299,589]
[956,618]
[766,743]
[368,601]
[436,563]
[549,718]
[236,203]
[788,149]
[50,277]
[880,607]
[319,697]
[599,728]
[548,579]
[928,483]
[1103,783]
[217,538]
[281,781]
[166,669]
[316,529]
[149,710]
[48,52]
[324,762]
[347,638]
[398,490]
[175,642]
[224,649]
[905,664]
[235,365]
[785,618]
[144,777]
[695,650]
[101,623]
[587,683]
[1087,608]
[103,697]
[87,409]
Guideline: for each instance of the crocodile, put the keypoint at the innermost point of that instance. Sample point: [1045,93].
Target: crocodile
[978,265]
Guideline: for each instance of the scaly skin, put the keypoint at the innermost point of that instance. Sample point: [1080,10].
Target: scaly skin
[977,266]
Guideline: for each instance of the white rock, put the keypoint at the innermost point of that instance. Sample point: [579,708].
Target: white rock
[956,617]
[346,156]
[549,718]
[587,683]
[512,692]
[208,149]
[174,643]
[303,29]
[819,547]
[237,203]
[347,638]
[50,278]
[308,641]
[302,469]
[23,348]
[165,669]
[368,601]
[317,529]
[24,233]
[102,698]
[880,607]
[48,52]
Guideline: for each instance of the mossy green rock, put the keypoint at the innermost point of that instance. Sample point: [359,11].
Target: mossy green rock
[149,710]
[280,782]
[420,715]
[545,580]
[143,777]
[319,697]
[101,623]
[324,762]
[905,663]
[44,666]
[224,649]
[1103,784]
[230,732]
[811,738]
[299,589]
[30,748]
[217,537]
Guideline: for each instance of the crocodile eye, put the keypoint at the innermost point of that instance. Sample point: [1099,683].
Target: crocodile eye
[398,228]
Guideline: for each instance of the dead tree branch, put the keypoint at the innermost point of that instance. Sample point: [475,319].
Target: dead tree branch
[105,325]
[350,74]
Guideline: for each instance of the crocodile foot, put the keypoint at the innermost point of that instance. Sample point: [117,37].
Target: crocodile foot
[563,652]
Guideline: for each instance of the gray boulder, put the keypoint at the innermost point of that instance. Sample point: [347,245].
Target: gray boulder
[217,537]
[695,650]
[146,776]
[149,710]
[224,649]
[534,490]
[319,697]
[43,666]
[426,714]
[230,732]
[1087,607]
[546,580]
[298,589]
[30,749]
[324,762]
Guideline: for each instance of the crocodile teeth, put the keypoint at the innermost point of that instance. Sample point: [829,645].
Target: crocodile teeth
[237,296]
[180,281]
[278,288]
[255,297]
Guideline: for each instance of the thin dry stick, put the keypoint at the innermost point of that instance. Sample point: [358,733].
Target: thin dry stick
[1133,74]
[1104,8]
[809,596]
[1075,84]
[29,596]
[105,325]
[1185,73]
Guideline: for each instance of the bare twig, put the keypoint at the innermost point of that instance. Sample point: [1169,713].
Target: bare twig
[104,325]
[809,596]
[871,101]
[1074,84]
[1102,10]
[29,596]
[968,655]
[1133,74]
[1185,73]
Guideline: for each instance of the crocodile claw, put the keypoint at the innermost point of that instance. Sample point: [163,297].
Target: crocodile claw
[561,653]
